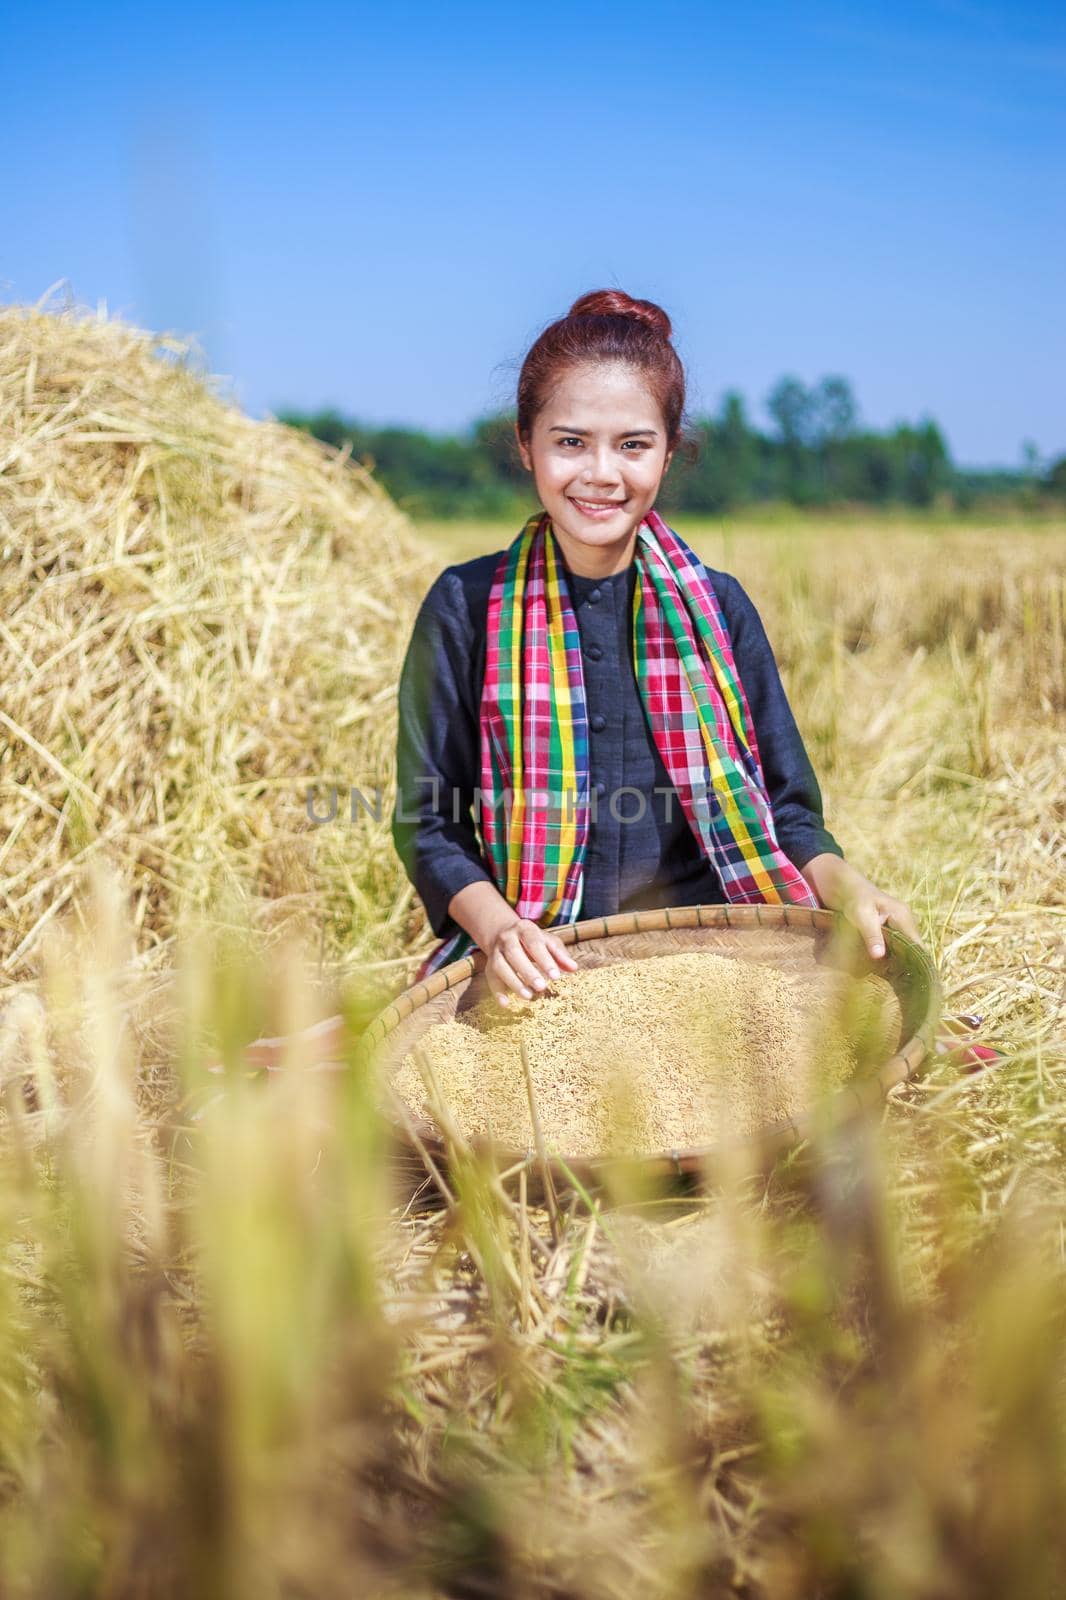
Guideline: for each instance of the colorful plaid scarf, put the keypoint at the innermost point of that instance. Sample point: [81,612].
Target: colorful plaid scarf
[533,812]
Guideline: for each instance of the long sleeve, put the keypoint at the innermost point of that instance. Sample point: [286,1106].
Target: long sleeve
[795,797]
[437,755]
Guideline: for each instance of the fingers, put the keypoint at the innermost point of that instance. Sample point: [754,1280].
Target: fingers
[524,960]
[899,916]
[560,952]
[547,950]
[870,912]
[501,980]
[868,918]
[523,948]
[903,919]
[866,909]
[510,970]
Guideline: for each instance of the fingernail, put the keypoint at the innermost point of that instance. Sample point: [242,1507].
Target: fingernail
[538,982]
[553,972]
[878,949]
[527,994]
[502,998]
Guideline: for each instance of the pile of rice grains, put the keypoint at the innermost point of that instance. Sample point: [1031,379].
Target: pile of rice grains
[668,1052]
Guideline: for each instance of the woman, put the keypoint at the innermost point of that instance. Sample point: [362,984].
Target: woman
[591,720]
[615,702]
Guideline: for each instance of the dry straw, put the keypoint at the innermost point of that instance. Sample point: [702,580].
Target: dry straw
[200,614]
[219,1376]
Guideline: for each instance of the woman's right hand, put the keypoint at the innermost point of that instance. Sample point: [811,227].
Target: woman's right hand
[522,958]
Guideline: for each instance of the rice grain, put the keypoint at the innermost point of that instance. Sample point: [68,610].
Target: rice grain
[668,1052]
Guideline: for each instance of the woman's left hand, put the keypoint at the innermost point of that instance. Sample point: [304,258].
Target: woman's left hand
[840,887]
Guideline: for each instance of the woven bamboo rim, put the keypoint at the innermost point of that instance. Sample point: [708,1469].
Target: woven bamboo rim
[906,966]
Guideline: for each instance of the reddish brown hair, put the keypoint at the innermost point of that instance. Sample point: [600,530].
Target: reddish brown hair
[606,325]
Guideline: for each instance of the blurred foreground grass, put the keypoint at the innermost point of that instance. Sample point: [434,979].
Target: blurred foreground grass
[235,1361]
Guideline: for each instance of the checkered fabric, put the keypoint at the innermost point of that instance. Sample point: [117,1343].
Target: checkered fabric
[532,810]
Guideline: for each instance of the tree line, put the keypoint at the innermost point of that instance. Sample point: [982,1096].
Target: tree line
[816,453]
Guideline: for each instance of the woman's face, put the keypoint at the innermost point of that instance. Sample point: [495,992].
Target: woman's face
[597,453]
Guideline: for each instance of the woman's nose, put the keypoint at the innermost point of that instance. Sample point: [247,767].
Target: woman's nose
[601,469]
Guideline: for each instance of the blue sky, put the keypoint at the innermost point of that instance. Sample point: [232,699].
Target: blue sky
[379,208]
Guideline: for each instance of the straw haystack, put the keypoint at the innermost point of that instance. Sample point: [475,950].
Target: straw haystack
[200,614]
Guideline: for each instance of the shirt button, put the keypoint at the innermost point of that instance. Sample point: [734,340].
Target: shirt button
[594,652]
[595,595]
[601,789]
[599,722]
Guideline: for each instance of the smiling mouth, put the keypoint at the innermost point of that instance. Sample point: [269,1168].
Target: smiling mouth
[595,505]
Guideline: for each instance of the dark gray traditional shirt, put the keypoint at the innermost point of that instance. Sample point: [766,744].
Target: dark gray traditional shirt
[638,856]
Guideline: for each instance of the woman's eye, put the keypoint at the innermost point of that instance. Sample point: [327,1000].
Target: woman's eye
[641,444]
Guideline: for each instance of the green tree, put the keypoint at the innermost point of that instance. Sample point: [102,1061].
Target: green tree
[332,428]
[739,449]
[834,410]
[814,452]
[789,404]
[1055,479]
[494,438]
[834,416]
[923,463]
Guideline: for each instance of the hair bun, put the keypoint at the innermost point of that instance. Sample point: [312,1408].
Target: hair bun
[616,303]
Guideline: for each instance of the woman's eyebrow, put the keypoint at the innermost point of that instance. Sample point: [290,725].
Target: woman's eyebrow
[629,433]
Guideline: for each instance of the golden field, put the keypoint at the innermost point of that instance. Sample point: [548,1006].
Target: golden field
[234,1359]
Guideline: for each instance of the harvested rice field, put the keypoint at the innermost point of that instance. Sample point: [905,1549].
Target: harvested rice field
[663,1053]
[237,1359]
